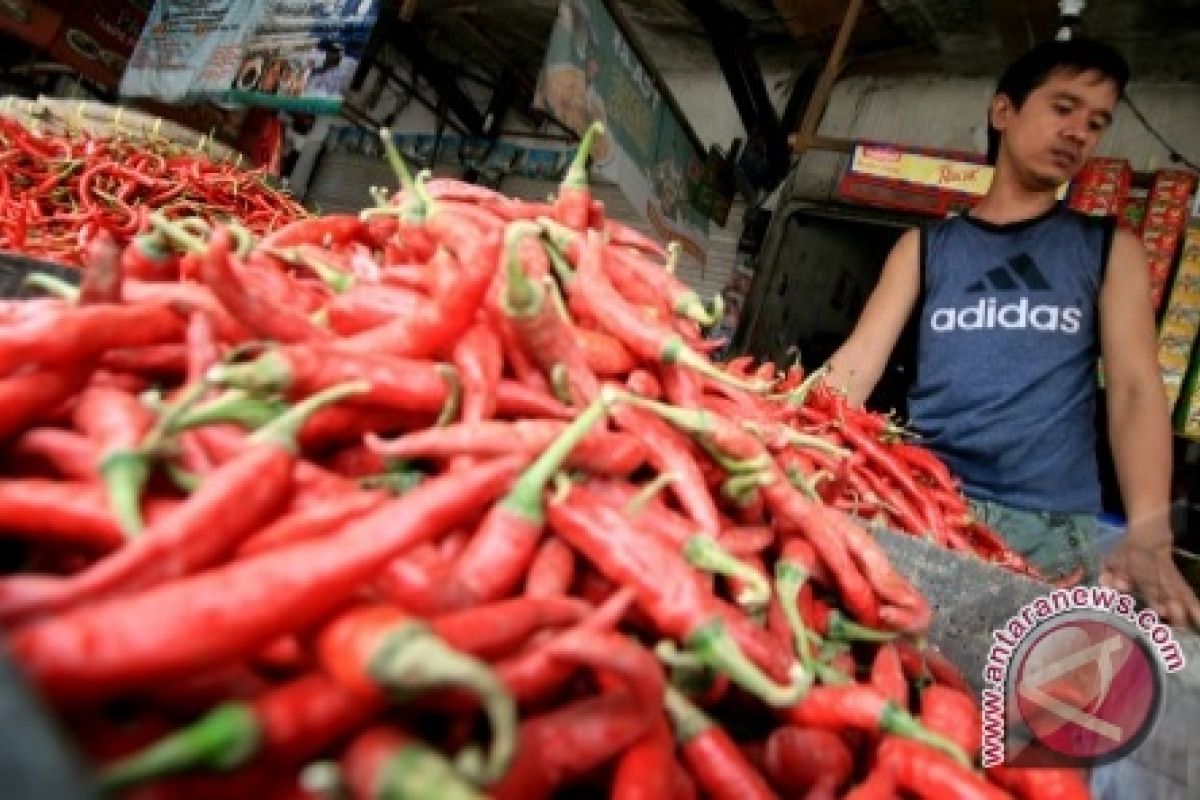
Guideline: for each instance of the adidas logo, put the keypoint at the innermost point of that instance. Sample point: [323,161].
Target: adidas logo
[1020,273]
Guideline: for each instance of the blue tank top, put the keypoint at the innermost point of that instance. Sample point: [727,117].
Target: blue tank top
[1005,383]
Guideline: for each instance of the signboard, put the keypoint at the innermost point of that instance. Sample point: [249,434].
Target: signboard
[189,48]
[288,54]
[923,170]
[303,55]
[921,181]
[592,73]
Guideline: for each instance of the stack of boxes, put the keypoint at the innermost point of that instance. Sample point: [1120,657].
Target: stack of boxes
[1177,335]
[1164,224]
[1101,187]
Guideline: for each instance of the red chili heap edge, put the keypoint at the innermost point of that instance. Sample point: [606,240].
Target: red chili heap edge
[59,192]
[445,500]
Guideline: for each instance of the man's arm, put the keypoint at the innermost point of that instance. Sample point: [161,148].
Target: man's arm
[1139,428]
[858,364]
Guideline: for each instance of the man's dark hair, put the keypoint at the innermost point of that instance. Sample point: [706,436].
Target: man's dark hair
[1033,68]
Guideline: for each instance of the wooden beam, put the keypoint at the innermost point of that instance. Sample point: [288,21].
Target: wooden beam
[833,67]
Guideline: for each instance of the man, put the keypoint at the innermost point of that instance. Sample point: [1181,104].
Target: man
[1015,299]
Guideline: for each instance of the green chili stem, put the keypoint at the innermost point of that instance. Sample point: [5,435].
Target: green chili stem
[225,738]
[525,499]
[716,648]
[706,553]
[412,660]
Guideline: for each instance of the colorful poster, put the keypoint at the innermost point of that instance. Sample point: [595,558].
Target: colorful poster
[298,55]
[592,73]
[302,56]
[189,48]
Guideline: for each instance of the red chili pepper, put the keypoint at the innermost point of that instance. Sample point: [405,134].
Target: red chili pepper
[626,276]
[572,206]
[373,649]
[747,540]
[496,630]
[498,556]
[1041,783]
[382,762]
[673,596]
[74,514]
[929,774]
[644,384]
[395,383]
[33,397]
[552,570]
[267,314]
[440,323]
[807,759]
[923,460]
[543,333]
[147,258]
[674,293]
[102,271]
[682,387]
[357,461]
[535,674]
[329,230]
[368,306]
[311,523]
[878,785]
[117,422]
[104,649]
[242,495]
[288,723]
[67,336]
[646,771]
[336,427]
[479,361]
[604,355]
[713,759]
[560,746]
[416,583]
[669,452]
[821,528]
[600,451]
[861,707]
[954,715]
[917,662]
[67,453]
[189,298]
[887,676]
[648,340]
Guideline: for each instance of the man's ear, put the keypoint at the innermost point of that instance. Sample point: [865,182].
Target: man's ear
[1001,111]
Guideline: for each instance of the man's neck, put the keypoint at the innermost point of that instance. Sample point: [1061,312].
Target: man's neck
[1009,200]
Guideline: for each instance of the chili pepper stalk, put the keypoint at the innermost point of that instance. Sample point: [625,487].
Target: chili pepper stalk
[223,739]
[499,554]
[383,763]
[405,658]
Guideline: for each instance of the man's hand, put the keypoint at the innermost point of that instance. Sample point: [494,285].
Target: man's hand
[1146,570]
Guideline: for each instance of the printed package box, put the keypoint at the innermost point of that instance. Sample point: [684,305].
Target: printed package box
[1181,321]
[1163,225]
[1101,187]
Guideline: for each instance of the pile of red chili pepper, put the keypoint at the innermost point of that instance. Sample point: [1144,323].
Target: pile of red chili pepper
[445,500]
[59,191]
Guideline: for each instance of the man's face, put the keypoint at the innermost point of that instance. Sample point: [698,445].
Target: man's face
[1054,132]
